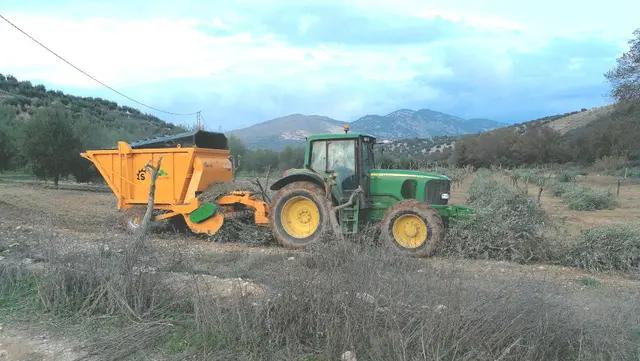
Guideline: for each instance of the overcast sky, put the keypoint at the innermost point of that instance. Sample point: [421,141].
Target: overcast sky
[243,62]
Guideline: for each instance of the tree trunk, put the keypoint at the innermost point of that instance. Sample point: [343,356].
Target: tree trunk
[540,190]
[56,178]
[146,220]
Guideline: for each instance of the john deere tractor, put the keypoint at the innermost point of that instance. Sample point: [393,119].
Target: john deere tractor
[340,190]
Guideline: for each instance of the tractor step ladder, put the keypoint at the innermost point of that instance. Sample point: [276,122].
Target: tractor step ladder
[349,219]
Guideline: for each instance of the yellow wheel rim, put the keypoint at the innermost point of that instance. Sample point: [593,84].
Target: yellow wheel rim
[410,231]
[300,217]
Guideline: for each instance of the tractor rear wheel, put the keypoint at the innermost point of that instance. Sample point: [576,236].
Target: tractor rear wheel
[413,228]
[299,214]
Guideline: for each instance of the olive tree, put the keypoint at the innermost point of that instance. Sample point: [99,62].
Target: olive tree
[50,144]
[6,150]
[625,77]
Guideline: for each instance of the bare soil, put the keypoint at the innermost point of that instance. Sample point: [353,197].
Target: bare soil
[574,222]
[21,344]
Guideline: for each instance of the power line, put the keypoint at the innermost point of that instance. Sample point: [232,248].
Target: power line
[91,76]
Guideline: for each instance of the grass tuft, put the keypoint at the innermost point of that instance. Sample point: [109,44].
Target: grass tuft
[590,282]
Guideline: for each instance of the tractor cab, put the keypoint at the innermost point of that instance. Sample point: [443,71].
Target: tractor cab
[348,158]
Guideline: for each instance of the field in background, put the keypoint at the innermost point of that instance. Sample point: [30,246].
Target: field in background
[627,211]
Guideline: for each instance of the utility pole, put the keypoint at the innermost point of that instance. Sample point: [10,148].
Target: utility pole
[199,123]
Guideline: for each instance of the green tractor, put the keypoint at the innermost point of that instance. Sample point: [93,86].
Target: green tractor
[339,190]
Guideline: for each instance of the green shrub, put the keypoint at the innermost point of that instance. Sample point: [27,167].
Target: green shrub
[610,163]
[558,189]
[566,176]
[587,199]
[607,248]
[629,172]
[505,226]
[581,198]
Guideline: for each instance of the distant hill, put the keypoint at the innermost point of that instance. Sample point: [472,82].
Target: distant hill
[401,124]
[582,136]
[581,119]
[98,122]
[288,130]
[421,149]
[423,123]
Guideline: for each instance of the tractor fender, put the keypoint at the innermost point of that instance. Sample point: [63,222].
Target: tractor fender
[297,175]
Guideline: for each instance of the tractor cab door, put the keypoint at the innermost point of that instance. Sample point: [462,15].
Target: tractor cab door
[339,156]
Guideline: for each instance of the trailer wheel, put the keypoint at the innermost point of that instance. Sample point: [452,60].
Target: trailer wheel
[412,228]
[299,214]
[132,218]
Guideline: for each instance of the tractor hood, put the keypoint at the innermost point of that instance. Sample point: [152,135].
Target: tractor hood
[405,174]
[389,186]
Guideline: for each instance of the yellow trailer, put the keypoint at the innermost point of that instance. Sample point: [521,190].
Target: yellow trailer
[190,163]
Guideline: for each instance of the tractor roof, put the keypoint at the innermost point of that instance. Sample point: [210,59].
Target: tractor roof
[329,136]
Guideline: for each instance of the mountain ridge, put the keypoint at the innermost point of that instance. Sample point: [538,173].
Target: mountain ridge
[290,129]
[403,123]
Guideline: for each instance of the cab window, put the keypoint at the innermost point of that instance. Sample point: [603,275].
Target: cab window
[367,157]
[341,158]
[319,156]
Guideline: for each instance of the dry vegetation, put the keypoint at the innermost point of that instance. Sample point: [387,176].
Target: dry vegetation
[178,297]
[337,297]
[506,226]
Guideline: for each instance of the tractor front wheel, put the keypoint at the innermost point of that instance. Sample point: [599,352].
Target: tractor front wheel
[413,228]
[299,214]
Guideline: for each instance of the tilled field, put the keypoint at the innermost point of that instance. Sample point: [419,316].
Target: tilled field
[36,220]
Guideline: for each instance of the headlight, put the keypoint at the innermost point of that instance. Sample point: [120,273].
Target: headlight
[444,196]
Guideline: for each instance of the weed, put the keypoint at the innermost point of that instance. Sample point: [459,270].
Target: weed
[566,176]
[590,282]
[558,189]
[18,289]
[609,163]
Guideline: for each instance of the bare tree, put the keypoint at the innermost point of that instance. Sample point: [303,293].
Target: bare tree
[625,77]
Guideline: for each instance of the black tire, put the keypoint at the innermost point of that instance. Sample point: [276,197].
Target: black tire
[434,227]
[298,190]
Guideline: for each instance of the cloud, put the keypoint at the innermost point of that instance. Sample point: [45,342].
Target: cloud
[245,62]
[333,24]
